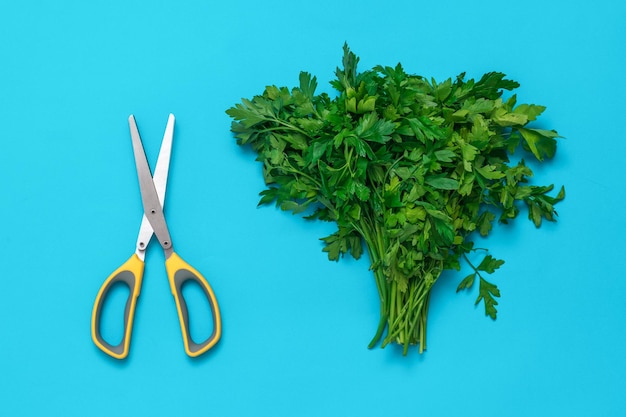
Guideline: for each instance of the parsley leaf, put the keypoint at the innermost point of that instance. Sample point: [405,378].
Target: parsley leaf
[487,292]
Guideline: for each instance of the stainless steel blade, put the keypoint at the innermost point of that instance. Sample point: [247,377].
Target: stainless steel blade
[151,205]
[160,183]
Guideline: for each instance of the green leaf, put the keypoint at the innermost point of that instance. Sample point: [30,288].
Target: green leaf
[491,83]
[317,150]
[443,90]
[490,172]
[425,129]
[372,129]
[534,213]
[460,115]
[308,84]
[296,140]
[561,195]
[469,153]
[354,212]
[442,183]
[268,196]
[392,199]
[487,293]
[310,125]
[531,111]
[502,118]
[367,104]
[445,231]
[489,264]
[417,191]
[341,242]
[522,192]
[481,133]
[354,244]
[541,143]
[484,222]
[351,105]
[547,133]
[467,185]
[414,214]
[335,246]
[445,155]
[467,282]
[243,134]
[404,172]
[293,206]
[480,106]
[346,77]
[246,114]
[362,191]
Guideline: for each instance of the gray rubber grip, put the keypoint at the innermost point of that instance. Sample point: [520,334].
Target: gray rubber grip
[180,277]
[128,278]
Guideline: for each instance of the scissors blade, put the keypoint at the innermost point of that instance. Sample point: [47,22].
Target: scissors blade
[152,208]
[160,183]
[163,161]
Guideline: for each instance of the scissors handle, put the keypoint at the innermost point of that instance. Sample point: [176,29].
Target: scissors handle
[131,274]
[179,272]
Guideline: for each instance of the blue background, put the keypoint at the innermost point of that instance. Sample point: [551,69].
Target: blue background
[295,325]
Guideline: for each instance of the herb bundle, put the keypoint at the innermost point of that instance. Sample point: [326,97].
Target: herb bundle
[410,167]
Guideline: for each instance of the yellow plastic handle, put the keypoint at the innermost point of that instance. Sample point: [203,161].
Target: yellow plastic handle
[130,273]
[179,272]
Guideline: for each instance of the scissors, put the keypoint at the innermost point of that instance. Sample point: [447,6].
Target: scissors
[131,272]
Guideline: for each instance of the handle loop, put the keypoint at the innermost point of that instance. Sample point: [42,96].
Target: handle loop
[179,272]
[130,273]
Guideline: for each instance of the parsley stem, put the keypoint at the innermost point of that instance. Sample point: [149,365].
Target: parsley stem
[373,237]
[298,172]
[472,265]
[290,126]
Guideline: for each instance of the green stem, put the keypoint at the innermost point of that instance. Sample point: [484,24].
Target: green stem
[298,172]
[290,126]
[402,313]
[374,242]
[472,266]
[424,323]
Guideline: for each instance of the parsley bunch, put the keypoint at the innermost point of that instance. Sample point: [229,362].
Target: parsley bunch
[410,167]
